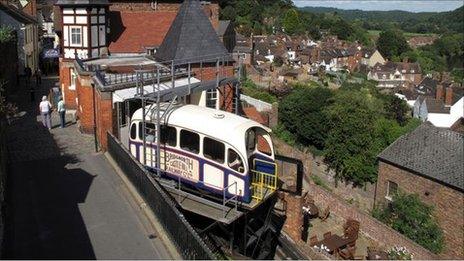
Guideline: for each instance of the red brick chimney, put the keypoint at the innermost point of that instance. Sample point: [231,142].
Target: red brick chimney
[440,92]
[449,97]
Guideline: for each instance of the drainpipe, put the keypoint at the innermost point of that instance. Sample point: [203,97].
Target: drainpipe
[94,119]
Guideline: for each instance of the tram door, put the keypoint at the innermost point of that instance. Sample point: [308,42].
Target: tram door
[263,169]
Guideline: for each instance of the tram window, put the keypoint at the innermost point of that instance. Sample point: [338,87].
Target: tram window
[168,135]
[133,131]
[263,145]
[234,161]
[140,131]
[214,150]
[190,141]
[150,132]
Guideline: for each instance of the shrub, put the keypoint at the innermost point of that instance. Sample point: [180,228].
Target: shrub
[6,34]
[411,217]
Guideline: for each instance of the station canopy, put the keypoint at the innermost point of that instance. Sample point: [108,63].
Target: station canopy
[131,93]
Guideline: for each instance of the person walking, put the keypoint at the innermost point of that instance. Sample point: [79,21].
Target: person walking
[45,108]
[62,112]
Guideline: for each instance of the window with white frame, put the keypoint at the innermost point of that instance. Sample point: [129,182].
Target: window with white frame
[211,98]
[392,189]
[76,36]
[73,79]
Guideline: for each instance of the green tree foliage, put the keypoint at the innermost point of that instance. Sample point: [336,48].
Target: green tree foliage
[411,217]
[350,148]
[6,34]
[302,113]
[291,22]
[425,22]
[458,75]
[395,109]
[392,43]
[342,29]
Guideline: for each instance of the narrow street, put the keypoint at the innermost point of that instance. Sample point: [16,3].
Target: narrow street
[64,200]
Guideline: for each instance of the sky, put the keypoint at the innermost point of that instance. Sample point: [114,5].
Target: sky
[384,5]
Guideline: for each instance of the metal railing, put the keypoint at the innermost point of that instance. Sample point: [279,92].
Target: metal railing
[225,199]
[182,234]
[233,198]
[262,183]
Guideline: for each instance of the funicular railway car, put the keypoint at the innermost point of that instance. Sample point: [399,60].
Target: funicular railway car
[220,152]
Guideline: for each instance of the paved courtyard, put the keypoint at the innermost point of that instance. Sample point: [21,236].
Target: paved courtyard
[65,201]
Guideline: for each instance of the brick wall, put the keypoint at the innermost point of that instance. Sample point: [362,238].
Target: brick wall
[370,227]
[104,117]
[65,82]
[208,72]
[85,103]
[448,203]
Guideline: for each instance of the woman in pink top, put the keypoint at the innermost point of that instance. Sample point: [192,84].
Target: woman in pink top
[45,110]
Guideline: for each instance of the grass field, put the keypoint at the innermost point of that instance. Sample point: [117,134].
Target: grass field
[376,33]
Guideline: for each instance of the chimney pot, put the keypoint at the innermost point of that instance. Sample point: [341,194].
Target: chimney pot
[439,94]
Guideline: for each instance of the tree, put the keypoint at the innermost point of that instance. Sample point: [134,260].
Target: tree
[411,217]
[342,29]
[396,109]
[351,148]
[291,22]
[302,113]
[392,43]
[228,13]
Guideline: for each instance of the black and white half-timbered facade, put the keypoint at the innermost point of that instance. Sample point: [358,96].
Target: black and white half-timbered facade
[85,28]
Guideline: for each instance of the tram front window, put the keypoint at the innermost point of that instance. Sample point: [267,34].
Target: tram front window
[257,140]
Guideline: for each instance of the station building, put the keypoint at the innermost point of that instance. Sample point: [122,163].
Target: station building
[113,49]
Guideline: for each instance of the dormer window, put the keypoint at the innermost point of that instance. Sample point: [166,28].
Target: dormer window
[150,50]
[403,71]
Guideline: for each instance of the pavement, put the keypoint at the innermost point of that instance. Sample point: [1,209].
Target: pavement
[65,201]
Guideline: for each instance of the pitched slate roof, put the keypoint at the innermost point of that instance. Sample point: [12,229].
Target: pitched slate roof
[191,37]
[432,152]
[222,28]
[17,14]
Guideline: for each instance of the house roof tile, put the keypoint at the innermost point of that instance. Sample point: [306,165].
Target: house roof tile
[431,152]
[131,31]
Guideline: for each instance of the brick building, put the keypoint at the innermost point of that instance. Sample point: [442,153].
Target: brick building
[105,42]
[429,162]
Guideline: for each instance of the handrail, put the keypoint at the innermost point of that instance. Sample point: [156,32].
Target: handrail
[235,197]
[101,77]
[224,192]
